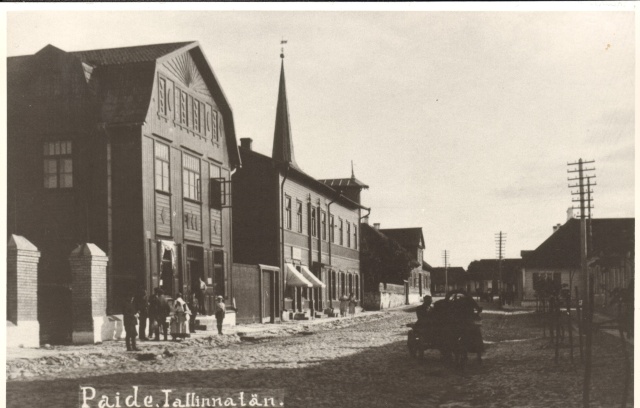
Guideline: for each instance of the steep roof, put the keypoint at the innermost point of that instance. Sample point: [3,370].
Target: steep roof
[610,237]
[282,139]
[407,237]
[125,78]
[128,55]
[344,183]
[301,176]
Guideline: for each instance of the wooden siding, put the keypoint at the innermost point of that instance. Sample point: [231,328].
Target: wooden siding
[192,221]
[247,291]
[163,214]
[216,227]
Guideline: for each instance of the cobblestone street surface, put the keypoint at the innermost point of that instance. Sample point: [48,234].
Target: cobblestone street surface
[359,362]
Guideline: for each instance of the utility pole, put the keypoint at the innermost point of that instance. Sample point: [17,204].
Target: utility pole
[500,239]
[445,255]
[584,192]
[583,184]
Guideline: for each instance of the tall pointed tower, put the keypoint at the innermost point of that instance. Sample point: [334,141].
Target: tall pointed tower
[282,140]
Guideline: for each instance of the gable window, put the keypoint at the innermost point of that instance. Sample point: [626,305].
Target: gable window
[287,212]
[348,234]
[184,109]
[162,167]
[299,215]
[190,177]
[323,220]
[332,229]
[340,230]
[58,165]
[314,220]
[196,114]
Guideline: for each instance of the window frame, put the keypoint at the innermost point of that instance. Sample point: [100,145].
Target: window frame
[314,221]
[187,187]
[299,214]
[323,225]
[341,231]
[58,152]
[332,229]
[167,161]
[348,244]
[287,212]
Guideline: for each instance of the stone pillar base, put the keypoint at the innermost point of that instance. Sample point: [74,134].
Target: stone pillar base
[90,337]
[25,334]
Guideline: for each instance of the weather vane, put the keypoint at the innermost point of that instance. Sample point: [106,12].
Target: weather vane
[282,42]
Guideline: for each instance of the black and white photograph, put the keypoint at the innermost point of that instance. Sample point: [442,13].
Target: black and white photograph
[319,204]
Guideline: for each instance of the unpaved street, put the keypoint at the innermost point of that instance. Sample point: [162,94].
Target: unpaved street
[362,363]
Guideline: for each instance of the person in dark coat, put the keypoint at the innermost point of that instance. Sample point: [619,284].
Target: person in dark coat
[194,306]
[142,304]
[154,310]
[130,315]
[164,310]
[220,312]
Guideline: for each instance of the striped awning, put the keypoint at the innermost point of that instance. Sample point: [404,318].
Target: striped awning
[317,283]
[295,278]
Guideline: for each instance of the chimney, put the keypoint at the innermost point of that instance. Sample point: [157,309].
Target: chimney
[365,220]
[246,142]
[376,226]
[556,227]
[569,213]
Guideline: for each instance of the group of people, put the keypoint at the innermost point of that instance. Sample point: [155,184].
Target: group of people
[348,303]
[157,309]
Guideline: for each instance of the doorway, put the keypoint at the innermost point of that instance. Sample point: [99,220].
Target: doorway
[194,273]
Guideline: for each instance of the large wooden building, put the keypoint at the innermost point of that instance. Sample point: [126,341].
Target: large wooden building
[306,228]
[131,149]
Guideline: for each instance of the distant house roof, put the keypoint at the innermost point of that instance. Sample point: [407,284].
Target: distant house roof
[407,237]
[454,275]
[487,269]
[344,183]
[610,237]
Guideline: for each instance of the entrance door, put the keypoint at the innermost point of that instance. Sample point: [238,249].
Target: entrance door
[267,297]
[166,274]
[194,271]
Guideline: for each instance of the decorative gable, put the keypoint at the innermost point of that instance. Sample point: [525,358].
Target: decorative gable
[184,69]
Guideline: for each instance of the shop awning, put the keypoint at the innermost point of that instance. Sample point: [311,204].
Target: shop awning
[295,278]
[317,283]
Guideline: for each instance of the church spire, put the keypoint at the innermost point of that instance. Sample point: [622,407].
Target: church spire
[282,140]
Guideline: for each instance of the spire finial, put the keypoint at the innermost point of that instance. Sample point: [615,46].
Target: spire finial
[353,175]
[282,42]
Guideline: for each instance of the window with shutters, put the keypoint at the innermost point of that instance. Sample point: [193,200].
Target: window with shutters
[58,165]
[299,214]
[323,224]
[340,231]
[348,235]
[332,229]
[355,237]
[162,167]
[314,220]
[190,177]
[287,211]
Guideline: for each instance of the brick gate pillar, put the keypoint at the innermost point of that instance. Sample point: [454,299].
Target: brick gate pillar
[89,293]
[23,328]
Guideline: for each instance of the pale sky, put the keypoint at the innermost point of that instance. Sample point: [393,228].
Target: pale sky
[461,123]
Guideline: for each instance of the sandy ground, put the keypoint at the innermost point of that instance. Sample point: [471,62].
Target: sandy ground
[361,362]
